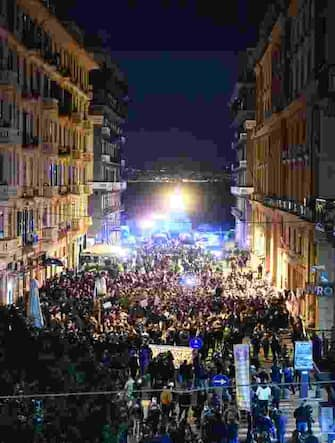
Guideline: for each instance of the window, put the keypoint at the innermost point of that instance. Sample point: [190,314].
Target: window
[2,178]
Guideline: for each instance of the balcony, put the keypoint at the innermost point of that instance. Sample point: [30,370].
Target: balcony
[50,106]
[77,117]
[87,189]
[76,189]
[31,242]
[87,156]
[105,158]
[64,72]
[77,224]
[242,109]
[105,132]
[50,234]
[8,80]
[9,246]
[107,186]
[9,135]
[7,192]
[88,221]
[50,191]
[28,192]
[325,217]
[237,213]
[86,124]
[31,41]
[76,154]
[50,148]
[64,151]
[30,142]
[241,191]
[63,190]
[63,229]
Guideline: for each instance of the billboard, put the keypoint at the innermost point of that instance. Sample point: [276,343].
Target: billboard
[303,355]
[242,376]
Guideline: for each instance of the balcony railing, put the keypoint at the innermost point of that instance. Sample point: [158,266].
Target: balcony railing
[7,192]
[108,186]
[50,191]
[50,234]
[50,104]
[76,117]
[9,134]
[63,190]
[105,131]
[325,215]
[87,156]
[8,79]
[76,154]
[9,246]
[105,158]
[76,189]
[301,210]
[241,191]
[77,224]
[87,189]
[50,148]
[64,151]
[237,213]
[30,142]
[28,192]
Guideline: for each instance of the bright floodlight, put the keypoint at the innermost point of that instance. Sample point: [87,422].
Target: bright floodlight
[177,202]
[147,224]
[158,216]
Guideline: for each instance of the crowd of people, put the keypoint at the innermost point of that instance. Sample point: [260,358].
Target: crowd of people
[94,349]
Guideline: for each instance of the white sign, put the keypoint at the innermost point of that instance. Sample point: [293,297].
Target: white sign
[242,376]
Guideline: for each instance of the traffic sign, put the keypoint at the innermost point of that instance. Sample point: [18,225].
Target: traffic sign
[196,343]
[220,381]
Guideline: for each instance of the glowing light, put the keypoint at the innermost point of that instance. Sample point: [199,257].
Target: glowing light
[177,201]
[146,224]
[158,216]
[188,280]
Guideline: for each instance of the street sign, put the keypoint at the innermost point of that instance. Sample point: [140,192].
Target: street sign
[220,381]
[303,355]
[196,343]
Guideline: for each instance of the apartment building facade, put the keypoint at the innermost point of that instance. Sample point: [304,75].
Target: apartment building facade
[46,144]
[293,161]
[108,113]
[242,108]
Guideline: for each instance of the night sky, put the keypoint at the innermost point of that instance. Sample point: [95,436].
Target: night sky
[180,58]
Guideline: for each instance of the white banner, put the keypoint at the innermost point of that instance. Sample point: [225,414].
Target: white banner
[180,353]
[241,357]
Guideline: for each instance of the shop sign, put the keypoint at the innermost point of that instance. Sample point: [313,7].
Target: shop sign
[303,355]
[242,364]
[326,289]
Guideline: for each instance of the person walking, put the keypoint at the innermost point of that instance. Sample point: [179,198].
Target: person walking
[280,421]
[289,377]
[266,346]
[276,394]
[263,394]
[232,431]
